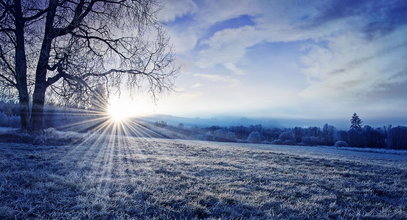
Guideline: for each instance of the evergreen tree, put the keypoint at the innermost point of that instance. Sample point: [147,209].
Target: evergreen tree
[356,122]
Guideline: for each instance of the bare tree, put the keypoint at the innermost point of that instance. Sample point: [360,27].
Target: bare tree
[67,47]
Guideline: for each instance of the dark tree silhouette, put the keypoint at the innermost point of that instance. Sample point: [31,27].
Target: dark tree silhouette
[356,122]
[70,48]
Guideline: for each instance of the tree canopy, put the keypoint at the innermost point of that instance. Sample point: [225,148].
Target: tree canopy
[70,49]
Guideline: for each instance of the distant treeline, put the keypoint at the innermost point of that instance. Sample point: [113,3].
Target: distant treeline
[358,136]
[385,137]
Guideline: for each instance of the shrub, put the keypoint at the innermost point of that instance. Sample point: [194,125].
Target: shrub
[224,135]
[160,124]
[287,136]
[289,142]
[341,144]
[9,120]
[3,119]
[357,138]
[311,140]
[254,137]
[398,137]
[277,141]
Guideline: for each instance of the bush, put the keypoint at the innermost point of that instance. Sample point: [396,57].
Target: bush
[341,144]
[287,136]
[277,141]
[357,138]
[161,124]
[289,142]
[254,137]
[398,137]
[311,140]
[202,137]
[9,120]
[3,119]
[224,135]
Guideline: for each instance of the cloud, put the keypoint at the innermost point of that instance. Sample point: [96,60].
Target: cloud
[182,42]
[274,22]
[171,9]
[285,21]
[227,46]
[234,68]
[352,51]
[196,85]
[382,15]
[351,68]
[351,54]
[218,78]
[211,12]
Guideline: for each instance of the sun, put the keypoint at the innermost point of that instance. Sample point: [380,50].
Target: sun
[120,110]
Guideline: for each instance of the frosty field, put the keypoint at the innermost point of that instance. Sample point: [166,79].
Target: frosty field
[123,177]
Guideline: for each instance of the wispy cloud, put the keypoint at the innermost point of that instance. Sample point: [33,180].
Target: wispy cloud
[352,67]
[218,78]
[176,8]
[196,85]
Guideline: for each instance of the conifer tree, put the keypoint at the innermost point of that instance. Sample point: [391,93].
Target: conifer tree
[356,122]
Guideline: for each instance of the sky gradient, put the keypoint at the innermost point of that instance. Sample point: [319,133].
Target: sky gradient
[288,59]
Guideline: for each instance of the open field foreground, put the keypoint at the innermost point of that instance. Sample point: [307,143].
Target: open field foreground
[126,178]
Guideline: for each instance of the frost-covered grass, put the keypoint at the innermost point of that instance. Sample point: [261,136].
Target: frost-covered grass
[376,150]
[120,177]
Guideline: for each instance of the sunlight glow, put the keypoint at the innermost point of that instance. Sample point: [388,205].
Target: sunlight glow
[121,109]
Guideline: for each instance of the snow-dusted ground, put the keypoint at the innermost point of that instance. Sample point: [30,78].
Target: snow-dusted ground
[385,157]
[123,177]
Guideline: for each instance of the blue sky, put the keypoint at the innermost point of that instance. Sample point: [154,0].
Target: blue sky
[288,59]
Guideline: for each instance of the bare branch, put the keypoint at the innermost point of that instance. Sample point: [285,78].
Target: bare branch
[9,81]
[39,14]
[79,15]
[4,60]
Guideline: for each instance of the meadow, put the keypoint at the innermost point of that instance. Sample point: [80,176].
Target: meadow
[116,177]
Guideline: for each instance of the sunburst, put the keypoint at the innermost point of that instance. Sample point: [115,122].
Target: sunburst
[120,111]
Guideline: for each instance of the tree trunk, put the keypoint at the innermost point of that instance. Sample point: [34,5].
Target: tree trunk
[21,66]
[37,112]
